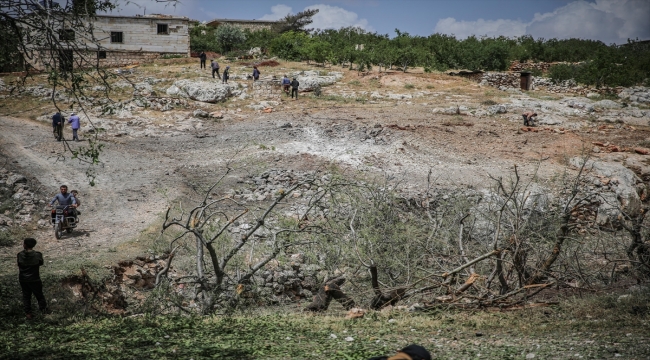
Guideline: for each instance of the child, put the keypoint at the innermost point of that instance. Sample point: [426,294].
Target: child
[75,194]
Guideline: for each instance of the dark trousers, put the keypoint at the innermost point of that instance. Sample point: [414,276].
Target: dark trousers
[58,132]
[202,64]
[528,122]
[294,91]
[35,288]
[217,72]
[74,134]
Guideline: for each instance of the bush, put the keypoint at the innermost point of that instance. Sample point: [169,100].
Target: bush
[229,36]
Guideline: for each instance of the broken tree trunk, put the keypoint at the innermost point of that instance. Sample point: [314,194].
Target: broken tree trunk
[383,299]
[330,290]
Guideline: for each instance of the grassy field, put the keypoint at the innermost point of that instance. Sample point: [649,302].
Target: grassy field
[598,327]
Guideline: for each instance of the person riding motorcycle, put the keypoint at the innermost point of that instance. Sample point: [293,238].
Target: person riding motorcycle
[64,199]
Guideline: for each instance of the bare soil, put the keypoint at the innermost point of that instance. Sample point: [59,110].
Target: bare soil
[164,155]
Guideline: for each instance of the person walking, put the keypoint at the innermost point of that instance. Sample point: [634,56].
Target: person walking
[294,88]
[286,84]
[29,262]
[203,57]
[57,125]
[226,75]
[256,73]
[215,68]
[74,122]
[528,118]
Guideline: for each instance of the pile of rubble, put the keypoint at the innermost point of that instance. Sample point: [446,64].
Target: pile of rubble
[636,94]
[293,281]
[19,202]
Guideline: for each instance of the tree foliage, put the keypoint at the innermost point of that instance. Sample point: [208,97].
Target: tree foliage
[296,22]
[229,36]
[596,63]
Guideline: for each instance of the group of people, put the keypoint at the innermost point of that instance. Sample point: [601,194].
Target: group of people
[57,125]
[214,65]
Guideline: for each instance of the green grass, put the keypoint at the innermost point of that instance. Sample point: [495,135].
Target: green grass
[409,86]
[598,327]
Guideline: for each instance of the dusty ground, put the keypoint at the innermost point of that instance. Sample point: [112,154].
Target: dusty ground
[152,158]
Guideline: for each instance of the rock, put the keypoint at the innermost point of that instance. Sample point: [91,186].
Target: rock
[550,120]
[593,95]
[299,258]
[355,313]
[497,109]
[216,115]
[623,182]
[309,80]
[607,104]
[15,179]
[200,113]
[211,92]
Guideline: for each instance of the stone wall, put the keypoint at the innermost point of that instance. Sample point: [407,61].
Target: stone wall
[637,94]
[511,80]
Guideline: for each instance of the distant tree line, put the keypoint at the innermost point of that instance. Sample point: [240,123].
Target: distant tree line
[591,62]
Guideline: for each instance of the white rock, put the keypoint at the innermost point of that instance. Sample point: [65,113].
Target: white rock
[204,91]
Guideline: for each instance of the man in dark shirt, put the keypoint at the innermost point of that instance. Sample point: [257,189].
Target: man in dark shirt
[57,125]
[294,88]
[29,262]
[203,57]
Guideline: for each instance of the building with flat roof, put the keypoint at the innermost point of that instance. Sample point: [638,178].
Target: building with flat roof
[117,41]
[252,25]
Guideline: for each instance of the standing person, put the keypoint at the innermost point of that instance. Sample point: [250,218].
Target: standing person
[226,75]
[74,122]
[286,84]
[294,88]
[256,73]
[203,57]
[528,118]
[215,68]
[29,262]
[57,126]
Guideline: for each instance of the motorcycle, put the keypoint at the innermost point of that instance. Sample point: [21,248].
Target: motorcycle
[64,218]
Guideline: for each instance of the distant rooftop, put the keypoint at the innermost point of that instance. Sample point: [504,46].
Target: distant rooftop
[216,21]
[150,16]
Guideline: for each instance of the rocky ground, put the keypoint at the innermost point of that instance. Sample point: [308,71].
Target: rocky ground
[164,135]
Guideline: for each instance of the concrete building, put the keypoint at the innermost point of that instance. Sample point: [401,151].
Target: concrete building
[119,41]
[136,39]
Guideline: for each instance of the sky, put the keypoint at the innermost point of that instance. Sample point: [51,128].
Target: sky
[611,21]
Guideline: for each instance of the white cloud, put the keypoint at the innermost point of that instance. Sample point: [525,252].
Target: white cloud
[480,27]
[611,21]
[277,12]
[334,17]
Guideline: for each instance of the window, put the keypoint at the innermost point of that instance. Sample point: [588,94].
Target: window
[116,36]
[65,60]
[101,54]
[66,34]
[163,29]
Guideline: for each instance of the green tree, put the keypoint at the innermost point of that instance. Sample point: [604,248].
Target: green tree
[229,36]
[202,38]
[290,45]
[296,22]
